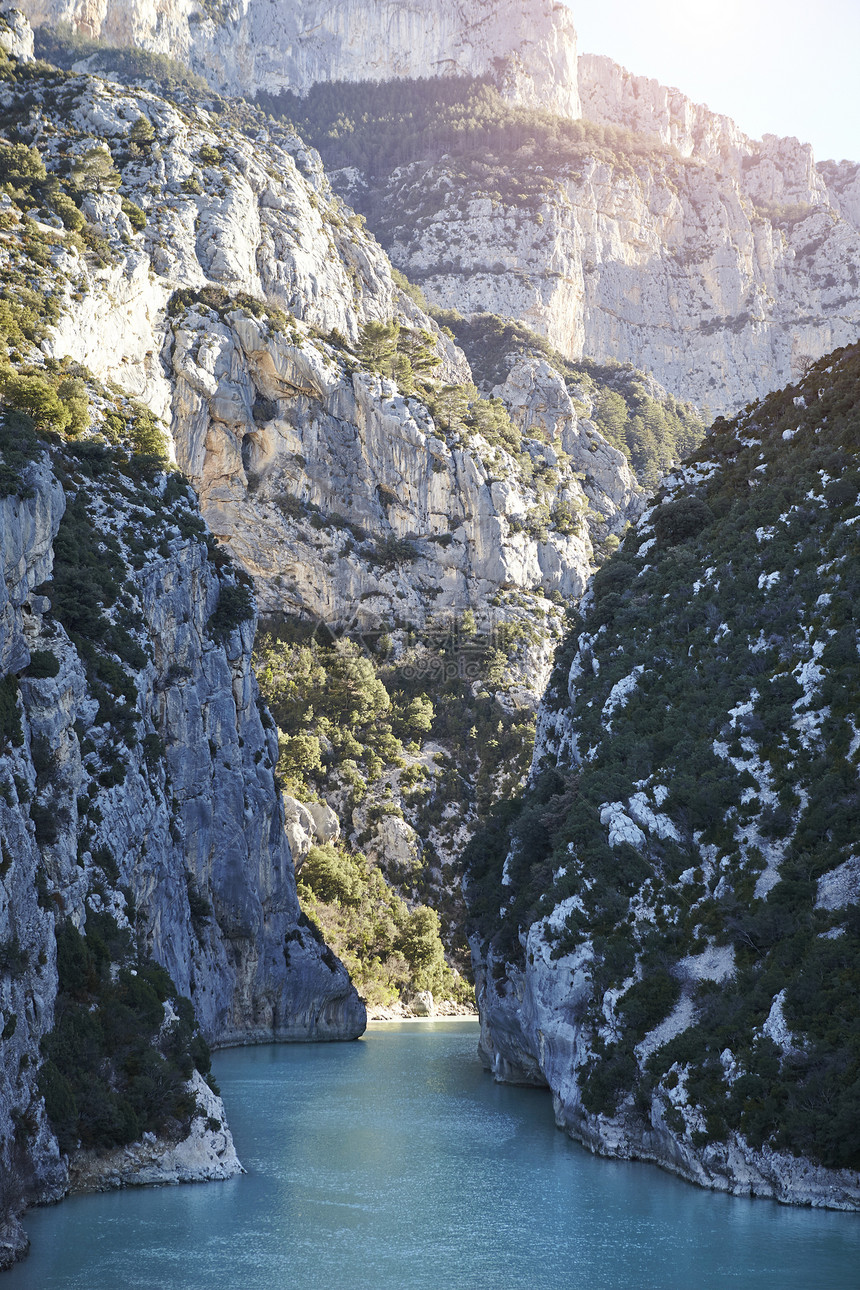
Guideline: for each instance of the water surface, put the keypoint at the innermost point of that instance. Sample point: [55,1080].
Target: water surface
[395,1163]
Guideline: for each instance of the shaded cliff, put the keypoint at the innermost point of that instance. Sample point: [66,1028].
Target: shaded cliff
[137,769]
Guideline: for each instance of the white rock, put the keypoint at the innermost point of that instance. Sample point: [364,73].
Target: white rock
[326,825]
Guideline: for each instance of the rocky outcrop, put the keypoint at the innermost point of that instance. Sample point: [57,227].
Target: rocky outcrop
[530,1036]
[347,476]
[30,1163]
[207,1154]
[667,238]
[249,46]
[249,216]
[16,35]
[540,403]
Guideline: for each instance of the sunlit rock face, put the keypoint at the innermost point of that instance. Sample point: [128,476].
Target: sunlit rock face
[720,263]
[723,271]
[242,48]
[237,312]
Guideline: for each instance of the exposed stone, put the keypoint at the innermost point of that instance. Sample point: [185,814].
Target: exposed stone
[299,827]
[723,281]
[422,1004]
[326,823]
[16,34]
[529,49]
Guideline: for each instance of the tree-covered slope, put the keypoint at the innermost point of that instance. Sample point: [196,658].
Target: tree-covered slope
[678,889]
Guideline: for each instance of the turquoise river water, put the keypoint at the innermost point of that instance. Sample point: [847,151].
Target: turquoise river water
[395,1163]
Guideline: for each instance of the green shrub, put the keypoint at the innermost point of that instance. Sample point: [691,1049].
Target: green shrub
[62,407]
[111,1073]
[677,521]
[11,732]
[133,213]
[235,606]
[20,165]
[332,875]
[68,212]
[142,133]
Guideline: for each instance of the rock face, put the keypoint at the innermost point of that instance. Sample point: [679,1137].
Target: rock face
[722,277]
[540,403]
[646,933]
[408,522]
[719,263]
[529,1036]
[248,46]
[29,1167]
[254,217]
[16,35]
[174,827]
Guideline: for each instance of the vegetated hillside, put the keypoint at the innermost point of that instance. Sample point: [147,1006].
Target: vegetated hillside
[408,748]
[666,926]
[744,264]
[628,407]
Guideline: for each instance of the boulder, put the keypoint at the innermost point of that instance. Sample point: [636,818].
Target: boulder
[326,825]
[299,828]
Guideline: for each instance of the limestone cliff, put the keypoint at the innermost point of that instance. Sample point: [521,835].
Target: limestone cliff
[199,260]
[656,233]
[241,48]
[137,781]
[720,264]
[235,307]
[668,930]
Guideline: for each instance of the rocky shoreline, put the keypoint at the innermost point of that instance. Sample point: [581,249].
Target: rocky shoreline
[422,1008]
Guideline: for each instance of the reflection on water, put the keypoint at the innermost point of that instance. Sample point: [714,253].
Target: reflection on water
[395,1163]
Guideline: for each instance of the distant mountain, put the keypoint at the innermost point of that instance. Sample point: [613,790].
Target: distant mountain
[615,216]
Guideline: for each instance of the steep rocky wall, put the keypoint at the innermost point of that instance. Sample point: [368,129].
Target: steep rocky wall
[722,282]
[342,464]
[163,812]
[248,46]
[530,1036]
[236,313]
[717,263]
[248,215]
[30,1163]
